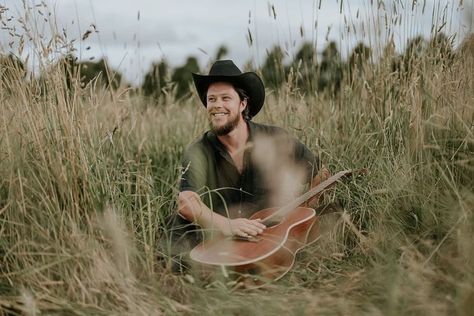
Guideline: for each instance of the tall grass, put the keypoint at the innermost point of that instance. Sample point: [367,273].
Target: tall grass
[88,181]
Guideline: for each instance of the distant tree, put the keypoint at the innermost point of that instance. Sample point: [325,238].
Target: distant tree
[273,69]
[388,52]
[100,71]
[360,55]
[440,50]
[412,57]
[306,66]
[84,72]
[182,76]
[465,52]
[415,47]
[73,75]
[358,59]
[410,61]
[156,79]
[221,52]
[389,58]
[330,70]
[12,72]
[466,49]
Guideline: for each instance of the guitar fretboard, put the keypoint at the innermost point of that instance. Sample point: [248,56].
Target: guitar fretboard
[306,196]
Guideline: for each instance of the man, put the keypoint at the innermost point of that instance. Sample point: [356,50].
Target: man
[223,181]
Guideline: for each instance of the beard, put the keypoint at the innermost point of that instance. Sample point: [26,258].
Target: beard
[227,127]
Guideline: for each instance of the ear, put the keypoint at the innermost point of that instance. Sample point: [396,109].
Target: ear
[243,105]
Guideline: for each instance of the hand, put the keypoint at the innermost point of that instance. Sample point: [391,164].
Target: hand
[322,175]
[242,227]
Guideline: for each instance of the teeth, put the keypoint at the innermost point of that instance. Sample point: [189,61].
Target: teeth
[219,114]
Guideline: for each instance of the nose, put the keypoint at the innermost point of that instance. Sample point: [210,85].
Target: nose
[219,102]
[215,105]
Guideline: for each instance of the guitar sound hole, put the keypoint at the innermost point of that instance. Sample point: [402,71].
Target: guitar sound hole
[271,222]
[253,271]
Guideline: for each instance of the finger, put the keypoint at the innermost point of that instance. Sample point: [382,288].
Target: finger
[250,230]
[253,228]
[240,232]
[245,232]
[257,223]
[258,227]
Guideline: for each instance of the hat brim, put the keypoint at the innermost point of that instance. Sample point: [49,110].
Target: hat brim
[249,81]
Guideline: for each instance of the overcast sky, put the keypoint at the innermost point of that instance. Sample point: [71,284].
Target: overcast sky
[134,33]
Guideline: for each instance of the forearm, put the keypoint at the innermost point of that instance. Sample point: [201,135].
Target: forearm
[194,210]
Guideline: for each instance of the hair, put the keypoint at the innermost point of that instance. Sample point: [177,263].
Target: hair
[244,96]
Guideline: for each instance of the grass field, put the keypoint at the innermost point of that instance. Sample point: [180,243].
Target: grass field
[88,178]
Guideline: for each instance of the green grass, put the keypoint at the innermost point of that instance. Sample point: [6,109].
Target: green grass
[89,177]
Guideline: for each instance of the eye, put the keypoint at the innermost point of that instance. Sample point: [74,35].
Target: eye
[211,99]
[226,98]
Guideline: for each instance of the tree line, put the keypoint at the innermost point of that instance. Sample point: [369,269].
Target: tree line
[309,72]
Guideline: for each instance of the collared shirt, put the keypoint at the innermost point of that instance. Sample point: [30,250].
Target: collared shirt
[208,169]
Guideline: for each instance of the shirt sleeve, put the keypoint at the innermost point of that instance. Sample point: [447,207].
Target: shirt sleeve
[193,169]
[307,159]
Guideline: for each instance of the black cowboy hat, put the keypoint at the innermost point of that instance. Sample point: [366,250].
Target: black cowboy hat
[227,71]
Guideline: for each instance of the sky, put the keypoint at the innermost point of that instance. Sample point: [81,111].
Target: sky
[134,34]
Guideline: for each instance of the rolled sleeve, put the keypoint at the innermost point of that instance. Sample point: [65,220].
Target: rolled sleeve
[307,159]
[193,169]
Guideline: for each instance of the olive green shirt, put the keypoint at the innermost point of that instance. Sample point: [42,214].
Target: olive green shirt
[208,169]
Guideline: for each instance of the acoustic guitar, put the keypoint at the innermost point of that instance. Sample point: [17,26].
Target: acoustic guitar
[269,255]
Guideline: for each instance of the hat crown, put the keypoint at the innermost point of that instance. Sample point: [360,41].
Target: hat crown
[224,68]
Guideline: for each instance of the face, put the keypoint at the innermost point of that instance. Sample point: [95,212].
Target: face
[224,108]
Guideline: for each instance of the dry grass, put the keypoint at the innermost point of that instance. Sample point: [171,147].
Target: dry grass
[88,179]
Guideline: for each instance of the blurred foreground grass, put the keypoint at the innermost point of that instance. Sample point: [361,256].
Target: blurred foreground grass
[88,179]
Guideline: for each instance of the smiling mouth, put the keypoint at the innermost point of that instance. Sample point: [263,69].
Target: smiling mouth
[219,114]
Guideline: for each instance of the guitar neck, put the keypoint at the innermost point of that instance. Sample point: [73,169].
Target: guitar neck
[308,195]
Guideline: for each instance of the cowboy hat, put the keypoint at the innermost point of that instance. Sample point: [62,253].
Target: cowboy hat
[227,71]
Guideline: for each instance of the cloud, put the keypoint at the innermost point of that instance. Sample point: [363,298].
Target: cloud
[133,34]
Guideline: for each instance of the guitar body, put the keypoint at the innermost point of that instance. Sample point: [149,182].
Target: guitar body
[267,257]
[271,254]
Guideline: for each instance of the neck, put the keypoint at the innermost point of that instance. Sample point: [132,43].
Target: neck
[237,138]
